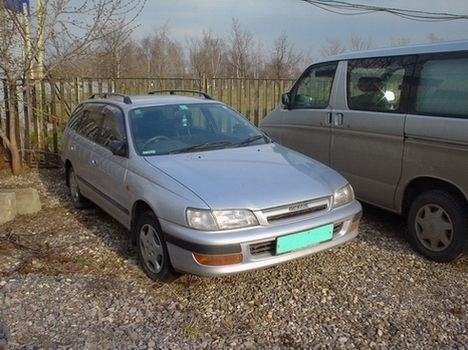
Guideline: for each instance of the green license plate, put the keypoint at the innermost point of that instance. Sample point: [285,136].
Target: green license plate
[303,239]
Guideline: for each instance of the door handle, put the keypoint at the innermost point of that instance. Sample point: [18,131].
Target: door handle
[329,118]
[339,119]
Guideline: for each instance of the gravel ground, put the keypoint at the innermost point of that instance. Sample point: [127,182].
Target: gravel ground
[70,280]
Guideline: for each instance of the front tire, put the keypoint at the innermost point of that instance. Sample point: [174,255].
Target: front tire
[438,226]
[152,249]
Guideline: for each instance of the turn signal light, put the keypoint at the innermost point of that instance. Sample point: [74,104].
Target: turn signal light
[353,226]
[218,260]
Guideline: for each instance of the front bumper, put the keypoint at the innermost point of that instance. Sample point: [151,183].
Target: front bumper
[257,244]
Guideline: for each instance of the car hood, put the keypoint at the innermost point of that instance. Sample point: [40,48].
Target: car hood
[252,177]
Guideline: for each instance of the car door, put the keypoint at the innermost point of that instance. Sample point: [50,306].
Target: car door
[368,126]
[79,141]
[110,170]
[304,122]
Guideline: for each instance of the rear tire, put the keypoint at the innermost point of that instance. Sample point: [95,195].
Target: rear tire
[77,198]
[438,226]
[152,249]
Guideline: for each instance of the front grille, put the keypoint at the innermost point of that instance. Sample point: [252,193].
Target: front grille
[263,248]
[295,210]
[297,213]
[337,228]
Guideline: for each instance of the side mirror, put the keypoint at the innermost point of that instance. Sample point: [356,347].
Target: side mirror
[286,99]
[118,148]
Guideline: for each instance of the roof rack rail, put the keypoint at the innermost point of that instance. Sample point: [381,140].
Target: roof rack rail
[125,98]
[174,91]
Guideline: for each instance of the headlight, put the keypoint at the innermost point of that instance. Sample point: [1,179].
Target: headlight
[214,220]
[343,196]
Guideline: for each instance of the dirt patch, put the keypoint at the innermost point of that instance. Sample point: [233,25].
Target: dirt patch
[59,238]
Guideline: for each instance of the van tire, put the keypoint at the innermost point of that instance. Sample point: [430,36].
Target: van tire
[152,249]
[438,225]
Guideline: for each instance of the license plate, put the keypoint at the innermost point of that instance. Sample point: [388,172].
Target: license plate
[303,239]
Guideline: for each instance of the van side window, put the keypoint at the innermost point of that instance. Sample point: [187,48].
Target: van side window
[442,85]
[314,87]
[379,84]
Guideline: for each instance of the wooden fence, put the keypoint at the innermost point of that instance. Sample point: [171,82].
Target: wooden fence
[45,110]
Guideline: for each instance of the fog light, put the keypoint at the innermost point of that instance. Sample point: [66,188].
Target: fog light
[218,260]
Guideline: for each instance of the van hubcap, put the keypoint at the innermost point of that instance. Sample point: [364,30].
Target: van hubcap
[434,227]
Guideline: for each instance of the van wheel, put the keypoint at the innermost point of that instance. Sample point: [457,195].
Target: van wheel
[152,249]
[77,198]
[438,226]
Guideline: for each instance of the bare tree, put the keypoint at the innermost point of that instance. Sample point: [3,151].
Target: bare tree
[333,47]
[110,51]
[284,59]
[400,41]
[434,38]
[359,44]
[241,54]
[53,33]
[206,55]
[162,56]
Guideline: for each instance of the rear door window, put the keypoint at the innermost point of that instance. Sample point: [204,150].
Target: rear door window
[89,121]
[379,84]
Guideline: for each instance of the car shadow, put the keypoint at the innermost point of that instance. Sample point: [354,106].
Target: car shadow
[91,224]
[384,229]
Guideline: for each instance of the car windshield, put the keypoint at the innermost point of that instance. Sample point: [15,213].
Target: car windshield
[184,128]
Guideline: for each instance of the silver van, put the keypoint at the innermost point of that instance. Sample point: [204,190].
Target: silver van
[394,122]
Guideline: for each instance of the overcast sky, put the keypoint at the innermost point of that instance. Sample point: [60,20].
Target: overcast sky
[306,26]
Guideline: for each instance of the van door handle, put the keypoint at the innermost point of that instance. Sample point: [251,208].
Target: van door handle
[339,119]
[329,118]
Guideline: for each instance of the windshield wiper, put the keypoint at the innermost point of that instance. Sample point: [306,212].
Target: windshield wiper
[247,141]
[204,146]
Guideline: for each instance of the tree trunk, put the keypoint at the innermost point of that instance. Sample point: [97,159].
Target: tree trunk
[2,155]
[15,161]
[13,141]
[2,148]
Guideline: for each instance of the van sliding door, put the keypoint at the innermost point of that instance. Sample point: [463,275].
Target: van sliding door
[368,126]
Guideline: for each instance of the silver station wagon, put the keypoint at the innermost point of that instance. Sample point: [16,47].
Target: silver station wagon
[201,190]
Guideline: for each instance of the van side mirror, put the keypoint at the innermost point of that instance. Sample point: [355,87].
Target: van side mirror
[286,99]
[118,148]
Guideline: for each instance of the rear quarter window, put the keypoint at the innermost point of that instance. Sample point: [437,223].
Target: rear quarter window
[441,83]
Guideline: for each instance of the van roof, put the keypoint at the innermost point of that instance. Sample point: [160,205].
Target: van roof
[459,45]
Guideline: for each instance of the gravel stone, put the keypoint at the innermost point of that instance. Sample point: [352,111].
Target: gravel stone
[70,279]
